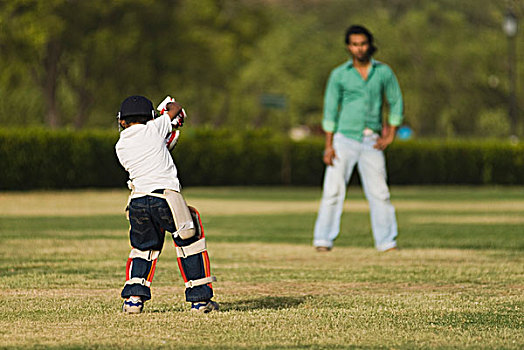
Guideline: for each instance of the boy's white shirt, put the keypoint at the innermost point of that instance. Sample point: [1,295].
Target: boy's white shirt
[142,152]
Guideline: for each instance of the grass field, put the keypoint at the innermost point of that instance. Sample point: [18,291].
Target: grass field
[457,282]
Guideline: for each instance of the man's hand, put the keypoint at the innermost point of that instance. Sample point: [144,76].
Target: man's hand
[387,137]
[329,151]
[329,155]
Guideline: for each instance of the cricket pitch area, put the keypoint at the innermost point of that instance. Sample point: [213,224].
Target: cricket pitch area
[457,282]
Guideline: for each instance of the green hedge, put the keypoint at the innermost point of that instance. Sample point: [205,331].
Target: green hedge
[45,159]
[456,162]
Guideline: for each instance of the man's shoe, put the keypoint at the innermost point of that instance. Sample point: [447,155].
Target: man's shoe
[133,305]
[323,249]
[204,306]
[392,249]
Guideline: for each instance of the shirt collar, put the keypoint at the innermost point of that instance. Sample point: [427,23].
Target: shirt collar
[350,63]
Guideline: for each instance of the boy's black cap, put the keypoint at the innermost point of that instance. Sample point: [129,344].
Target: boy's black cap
[136,106]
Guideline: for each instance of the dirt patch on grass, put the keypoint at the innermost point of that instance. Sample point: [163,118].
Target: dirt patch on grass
[468,219]
[112,202]
[60,293]
[67,203]
[233,290]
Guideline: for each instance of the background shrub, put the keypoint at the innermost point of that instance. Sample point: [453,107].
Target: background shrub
[46,159]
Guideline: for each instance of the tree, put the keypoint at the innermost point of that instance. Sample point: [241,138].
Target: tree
[76,49]
[32,34]
[71,62]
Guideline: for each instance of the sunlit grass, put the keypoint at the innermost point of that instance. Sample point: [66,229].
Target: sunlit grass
[454,284]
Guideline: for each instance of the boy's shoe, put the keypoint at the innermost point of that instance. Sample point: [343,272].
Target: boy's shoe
[133,305]
[204,306]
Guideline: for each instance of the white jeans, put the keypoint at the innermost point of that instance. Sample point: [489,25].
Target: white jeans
[372,170]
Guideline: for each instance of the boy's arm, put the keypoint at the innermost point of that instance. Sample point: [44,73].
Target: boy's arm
[175,111]
[177,114]
[170,120]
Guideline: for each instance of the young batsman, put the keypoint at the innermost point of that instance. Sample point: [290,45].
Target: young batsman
[156,205]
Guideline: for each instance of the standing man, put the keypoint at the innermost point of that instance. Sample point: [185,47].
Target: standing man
[357,135]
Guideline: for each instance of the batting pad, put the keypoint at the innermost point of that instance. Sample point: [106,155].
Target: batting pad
[140,269]
[193,262]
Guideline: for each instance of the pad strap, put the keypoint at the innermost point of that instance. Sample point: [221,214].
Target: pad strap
[185,229]
[185,226]
[148,255]
[138,280]
[192,249]
[201,281]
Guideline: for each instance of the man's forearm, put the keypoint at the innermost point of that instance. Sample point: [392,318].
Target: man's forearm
[392,132]
[329,151]
[329,140]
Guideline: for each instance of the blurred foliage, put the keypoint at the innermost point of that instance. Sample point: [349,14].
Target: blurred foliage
[70,63]
[494,123]
[41,158]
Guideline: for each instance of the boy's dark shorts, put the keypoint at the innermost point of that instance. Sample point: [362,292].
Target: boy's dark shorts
[149,218]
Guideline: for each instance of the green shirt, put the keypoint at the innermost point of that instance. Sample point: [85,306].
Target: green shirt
[352,104]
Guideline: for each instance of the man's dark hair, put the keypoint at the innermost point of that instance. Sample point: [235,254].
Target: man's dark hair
[357,29]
